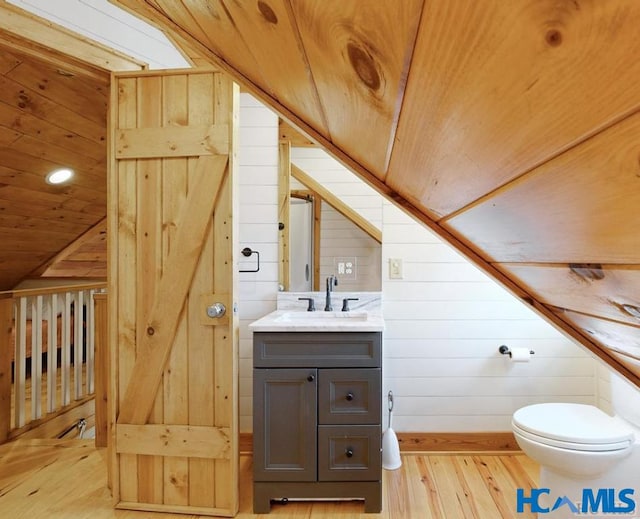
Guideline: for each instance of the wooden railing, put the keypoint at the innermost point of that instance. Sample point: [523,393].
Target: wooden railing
[47,350]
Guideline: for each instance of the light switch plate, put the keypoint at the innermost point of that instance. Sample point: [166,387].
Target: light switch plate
[395,268]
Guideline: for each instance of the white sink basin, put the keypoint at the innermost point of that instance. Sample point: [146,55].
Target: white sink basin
[321,316]
[319,321]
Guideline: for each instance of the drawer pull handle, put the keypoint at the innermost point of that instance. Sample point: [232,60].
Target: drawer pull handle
[349,397]
[311,378]
[349,452]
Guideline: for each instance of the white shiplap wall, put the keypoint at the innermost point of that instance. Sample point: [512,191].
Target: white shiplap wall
[444,319]
[444,323]
[604,399]
[258,170]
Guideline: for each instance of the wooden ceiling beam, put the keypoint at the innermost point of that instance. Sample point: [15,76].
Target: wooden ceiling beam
[287,132]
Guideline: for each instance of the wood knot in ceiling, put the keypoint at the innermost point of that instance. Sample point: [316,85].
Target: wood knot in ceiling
[364,65]
[267,13]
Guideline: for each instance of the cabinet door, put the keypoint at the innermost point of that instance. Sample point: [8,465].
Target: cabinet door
[284,424]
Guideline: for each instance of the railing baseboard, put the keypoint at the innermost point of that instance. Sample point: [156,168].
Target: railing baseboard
[54,424]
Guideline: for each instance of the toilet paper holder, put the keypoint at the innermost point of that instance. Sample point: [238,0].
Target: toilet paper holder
[504,349]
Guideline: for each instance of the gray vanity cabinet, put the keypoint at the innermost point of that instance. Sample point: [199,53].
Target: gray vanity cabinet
[317,416]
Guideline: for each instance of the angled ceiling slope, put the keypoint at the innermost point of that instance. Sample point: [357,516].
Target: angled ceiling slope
[509,128]
[53,114]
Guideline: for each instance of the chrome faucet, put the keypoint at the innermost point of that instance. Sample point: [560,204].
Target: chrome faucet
[332,281]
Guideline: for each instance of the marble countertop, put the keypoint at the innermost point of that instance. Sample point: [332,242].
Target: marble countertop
[319,321]
[291,316]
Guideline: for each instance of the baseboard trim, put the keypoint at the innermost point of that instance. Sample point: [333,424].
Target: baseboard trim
[246,443]
[458,442]
[436,442]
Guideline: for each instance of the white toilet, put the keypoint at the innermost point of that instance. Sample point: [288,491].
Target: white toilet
[580,447]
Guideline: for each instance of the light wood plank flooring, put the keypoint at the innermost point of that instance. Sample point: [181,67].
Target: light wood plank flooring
[66,479]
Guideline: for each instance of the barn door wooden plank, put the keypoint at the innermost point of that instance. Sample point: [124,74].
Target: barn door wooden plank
[149,264]
[190,141]
[122,261]
[201,355]
[174,440]
[176,374]
[172,291]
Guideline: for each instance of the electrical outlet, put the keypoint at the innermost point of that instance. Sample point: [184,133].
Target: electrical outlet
[395,268]
[345,268]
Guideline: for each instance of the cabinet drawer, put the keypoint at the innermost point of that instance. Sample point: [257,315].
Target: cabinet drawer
[317,349]
[349,453]
[349,396]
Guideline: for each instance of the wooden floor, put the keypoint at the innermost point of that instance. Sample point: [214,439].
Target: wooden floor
[66,479]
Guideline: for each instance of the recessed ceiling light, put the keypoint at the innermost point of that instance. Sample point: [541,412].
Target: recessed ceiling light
[59,176]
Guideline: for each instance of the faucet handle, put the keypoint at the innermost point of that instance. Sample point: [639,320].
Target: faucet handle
[345,303]
[312,306]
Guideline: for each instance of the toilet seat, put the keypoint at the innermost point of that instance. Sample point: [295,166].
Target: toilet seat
[572,426]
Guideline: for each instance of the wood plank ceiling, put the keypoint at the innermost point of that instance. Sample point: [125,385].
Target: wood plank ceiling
[53,103]
[510,128]
[49,118]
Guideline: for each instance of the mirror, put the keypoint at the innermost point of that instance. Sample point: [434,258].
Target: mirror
[332,221]
[301,245]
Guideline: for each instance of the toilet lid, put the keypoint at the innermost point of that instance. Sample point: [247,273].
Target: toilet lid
[572,423]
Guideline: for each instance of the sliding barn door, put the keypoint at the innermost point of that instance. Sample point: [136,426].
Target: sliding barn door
[173,328]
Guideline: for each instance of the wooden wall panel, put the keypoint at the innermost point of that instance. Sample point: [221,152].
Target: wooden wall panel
[182,253]
[496,88]
[580,207]
[360,54]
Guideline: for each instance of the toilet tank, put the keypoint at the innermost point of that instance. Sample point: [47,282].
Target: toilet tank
[625,399]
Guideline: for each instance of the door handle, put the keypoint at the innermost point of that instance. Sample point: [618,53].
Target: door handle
[216,310]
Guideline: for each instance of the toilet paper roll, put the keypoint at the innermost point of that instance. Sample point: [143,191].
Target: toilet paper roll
[520,354]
